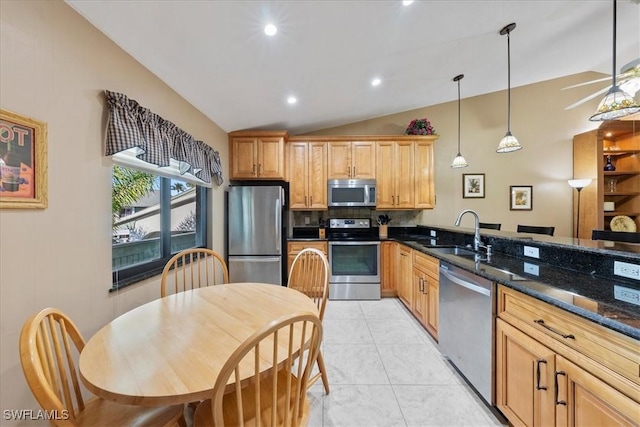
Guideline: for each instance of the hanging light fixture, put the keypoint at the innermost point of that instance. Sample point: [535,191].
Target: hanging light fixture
[459,161]
[509,142]
[617,103]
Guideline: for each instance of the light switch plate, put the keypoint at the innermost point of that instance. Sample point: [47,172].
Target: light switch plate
[532,252]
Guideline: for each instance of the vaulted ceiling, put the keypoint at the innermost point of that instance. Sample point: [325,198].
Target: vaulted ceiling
[326,53]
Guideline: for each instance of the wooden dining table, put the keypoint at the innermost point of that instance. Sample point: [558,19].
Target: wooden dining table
[170,350]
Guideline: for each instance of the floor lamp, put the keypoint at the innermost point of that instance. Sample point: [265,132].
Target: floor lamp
[579,184]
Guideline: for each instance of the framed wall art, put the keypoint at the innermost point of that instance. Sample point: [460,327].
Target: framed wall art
[521,197]
[23,162]
[472,185]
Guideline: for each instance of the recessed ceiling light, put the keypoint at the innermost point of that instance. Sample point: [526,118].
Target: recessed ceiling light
[407,2]
[292,100]
[376,82]
[270,29]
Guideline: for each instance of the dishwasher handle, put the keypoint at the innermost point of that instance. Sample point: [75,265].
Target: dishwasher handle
[471,286]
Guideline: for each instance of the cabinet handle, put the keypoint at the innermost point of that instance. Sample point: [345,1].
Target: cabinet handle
[305,201]
[259,168]
[310,200]
[420,283]
[538,386]
[253,170]
[349,171]
[393,200]
[558,402]
[555,331]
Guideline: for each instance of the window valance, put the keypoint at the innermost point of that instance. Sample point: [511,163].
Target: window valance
[156,141]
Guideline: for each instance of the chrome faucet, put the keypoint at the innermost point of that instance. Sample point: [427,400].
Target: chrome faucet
[477,242]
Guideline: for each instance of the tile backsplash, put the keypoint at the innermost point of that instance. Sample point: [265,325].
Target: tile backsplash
[398,218]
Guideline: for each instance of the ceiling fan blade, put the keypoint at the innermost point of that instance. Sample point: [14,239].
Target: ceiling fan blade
[588,98]
[604,79]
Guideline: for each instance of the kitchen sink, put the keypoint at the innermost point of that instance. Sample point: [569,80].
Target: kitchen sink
[455,250]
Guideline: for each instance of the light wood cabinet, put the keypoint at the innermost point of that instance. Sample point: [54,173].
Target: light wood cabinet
[405,276]
[307,175]
[293,248]
[585,400]
[556,368]
[424,184]
[257,154]
[395,177]
[524,378]
[352,159]
[388,277]
[426,291]
[619,139]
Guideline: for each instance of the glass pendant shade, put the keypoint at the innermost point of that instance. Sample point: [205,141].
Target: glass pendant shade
[508,144]
[615,105]
[459,162]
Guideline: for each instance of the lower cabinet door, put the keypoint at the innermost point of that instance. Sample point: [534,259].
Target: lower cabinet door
[584,400]
[524,378]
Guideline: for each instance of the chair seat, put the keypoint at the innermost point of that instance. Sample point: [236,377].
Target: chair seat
[203,414]
[100,412]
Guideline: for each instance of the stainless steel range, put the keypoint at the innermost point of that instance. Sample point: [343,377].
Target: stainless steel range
[354,260]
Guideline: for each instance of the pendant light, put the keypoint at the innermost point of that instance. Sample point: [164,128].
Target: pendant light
[509,142]
[617,103]
[459,161]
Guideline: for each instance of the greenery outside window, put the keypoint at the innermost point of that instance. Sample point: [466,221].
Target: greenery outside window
[154,217]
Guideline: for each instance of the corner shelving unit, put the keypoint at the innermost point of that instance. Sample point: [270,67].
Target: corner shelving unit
[619,139]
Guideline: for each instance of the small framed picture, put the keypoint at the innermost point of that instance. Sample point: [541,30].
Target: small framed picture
[472,185]
[521,197]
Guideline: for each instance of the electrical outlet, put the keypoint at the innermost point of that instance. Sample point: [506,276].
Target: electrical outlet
[631,296]
[433,242]
[531,269]
[433,233]
[532,252]
[625,269]
[307,220]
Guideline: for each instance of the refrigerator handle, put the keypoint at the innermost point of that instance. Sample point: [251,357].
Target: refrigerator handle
[282,197]
[278,221]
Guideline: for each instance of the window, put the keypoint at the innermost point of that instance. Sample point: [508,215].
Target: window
[154,217]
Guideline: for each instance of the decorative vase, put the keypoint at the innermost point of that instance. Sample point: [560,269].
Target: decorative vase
[609,166]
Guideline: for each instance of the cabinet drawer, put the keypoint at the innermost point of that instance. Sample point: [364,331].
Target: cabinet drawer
[551,325]
[428,264]
[295,247]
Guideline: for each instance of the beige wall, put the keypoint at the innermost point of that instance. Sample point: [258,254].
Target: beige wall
[540,123]
[54,68]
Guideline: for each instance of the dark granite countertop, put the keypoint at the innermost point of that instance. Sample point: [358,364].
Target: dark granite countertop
[576,280]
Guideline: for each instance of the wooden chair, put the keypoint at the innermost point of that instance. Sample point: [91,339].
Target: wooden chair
[490,226]
[49,346]
[309,274]
[615,236]
[193,268]
[278,397]
[536,230]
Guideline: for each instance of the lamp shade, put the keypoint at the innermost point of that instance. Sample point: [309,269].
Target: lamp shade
[508,143]
[579,183]
[459,162]
[615,105]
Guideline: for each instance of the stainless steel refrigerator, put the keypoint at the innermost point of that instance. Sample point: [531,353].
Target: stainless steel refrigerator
[256,233]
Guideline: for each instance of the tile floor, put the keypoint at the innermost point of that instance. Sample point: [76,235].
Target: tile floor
[385,370]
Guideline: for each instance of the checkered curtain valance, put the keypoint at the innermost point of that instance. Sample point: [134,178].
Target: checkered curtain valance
[158,140]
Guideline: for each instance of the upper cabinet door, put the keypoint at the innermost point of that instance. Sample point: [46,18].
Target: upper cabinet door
[385,179]
[363,160]
[271,158]
[298,175]
[339,160]
[244,158]
[424,186]
[403,165]
[317,176]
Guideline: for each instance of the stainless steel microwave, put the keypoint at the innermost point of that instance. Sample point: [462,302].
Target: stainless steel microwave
[351,192]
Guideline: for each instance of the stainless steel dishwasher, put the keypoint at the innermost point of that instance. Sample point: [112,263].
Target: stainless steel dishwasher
[466,328]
